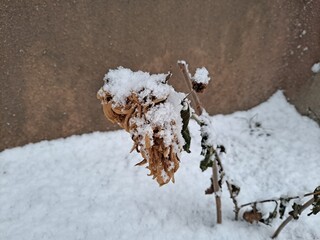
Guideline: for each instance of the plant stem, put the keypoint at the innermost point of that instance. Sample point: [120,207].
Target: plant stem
[185,71]
[285,222]
[216,189]
[277,199]
[198,108]
[235,202]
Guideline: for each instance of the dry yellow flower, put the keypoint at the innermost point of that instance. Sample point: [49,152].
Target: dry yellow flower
[161,159]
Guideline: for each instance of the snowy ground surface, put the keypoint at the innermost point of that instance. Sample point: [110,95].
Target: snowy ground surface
[86,187]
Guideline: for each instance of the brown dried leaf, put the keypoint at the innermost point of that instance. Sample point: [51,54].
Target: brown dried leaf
[252,216]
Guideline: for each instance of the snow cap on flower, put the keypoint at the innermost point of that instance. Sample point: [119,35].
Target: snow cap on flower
[200,80]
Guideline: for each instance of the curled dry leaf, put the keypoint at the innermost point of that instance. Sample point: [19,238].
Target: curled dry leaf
[296,211]
[252,216]
[234,190]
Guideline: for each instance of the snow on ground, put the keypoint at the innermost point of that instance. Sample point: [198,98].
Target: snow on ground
[86,187]
[316,67]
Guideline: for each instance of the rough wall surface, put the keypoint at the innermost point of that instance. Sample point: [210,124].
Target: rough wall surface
[54,55]
[307,99]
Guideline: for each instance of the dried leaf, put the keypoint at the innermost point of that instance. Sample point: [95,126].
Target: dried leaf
[283,205]
[207,161]
[210,190]
[204,145]
[272,215]
[168,77]
[295,213]
[252,216]
[221,149]
[198,87]
[185,115]
[144,161]
[316,203]
[235,190]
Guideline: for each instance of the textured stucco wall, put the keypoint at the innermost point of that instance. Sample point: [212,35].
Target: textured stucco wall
[54,55]
[307,99]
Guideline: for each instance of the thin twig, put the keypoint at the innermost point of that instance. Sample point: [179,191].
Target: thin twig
[234,200]
[216,189]
[285,222]
[185,71]
[278,199]
[197,119]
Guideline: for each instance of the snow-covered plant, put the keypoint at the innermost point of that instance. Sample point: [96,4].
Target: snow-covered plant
[157,118]
[211,151]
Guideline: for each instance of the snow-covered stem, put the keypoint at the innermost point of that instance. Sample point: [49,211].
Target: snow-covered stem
[216,187]
[234,200]
[289,219]
[278,199]
[232,196]
[197,119]
[198,108]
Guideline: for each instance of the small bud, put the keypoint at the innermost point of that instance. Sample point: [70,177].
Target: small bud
[200,80]
[198,87]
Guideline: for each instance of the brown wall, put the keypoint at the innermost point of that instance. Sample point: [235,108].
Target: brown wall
[54,55]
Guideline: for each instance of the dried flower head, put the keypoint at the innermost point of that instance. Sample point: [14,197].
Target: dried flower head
[200,80]
[149,109]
